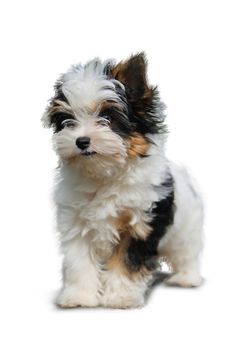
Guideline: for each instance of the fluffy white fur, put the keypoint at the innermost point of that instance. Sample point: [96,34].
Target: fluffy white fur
[91,191]
[87,232]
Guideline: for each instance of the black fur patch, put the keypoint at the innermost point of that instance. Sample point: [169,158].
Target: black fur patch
[151,120]
[141,252]
[118,121]
[127,123]
[58,120]
[60,96]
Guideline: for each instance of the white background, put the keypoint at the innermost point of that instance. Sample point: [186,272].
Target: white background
[189,48]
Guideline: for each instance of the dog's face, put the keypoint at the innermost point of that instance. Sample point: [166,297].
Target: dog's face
[103,114]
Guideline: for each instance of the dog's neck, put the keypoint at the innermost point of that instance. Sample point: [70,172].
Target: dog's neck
[140,172]
[95,175]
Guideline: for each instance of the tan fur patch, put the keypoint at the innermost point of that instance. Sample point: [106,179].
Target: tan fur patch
[139,230]
[116,261]
[101,107]
[118,72]
[123,221]
[138,146]
[92,107]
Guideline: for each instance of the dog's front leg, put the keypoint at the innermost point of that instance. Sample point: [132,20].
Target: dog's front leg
[124,287]
[123,292]
[80,275]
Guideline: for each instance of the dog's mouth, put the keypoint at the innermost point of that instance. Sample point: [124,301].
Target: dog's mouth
[88,153]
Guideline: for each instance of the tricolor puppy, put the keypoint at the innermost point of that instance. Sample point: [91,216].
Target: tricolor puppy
[121,205]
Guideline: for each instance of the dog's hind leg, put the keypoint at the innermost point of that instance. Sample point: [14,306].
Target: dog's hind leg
[182,244]
[183,255]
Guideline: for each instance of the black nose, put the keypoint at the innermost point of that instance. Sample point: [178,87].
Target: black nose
[83,142]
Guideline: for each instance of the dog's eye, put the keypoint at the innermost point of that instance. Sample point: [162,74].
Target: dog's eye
[69,123]
[104,120]
[107,117]
[60,119]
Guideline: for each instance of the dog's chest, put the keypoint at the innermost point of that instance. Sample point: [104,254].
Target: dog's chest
[90,210]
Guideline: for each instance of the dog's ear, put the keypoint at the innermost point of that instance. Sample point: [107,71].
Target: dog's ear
[132,74]
[58,103]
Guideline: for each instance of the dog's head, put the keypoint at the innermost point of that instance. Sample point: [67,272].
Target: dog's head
[103,114]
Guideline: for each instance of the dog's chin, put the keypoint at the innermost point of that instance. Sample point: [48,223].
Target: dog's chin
[97,166]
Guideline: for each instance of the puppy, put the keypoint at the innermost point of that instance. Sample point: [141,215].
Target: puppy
[121,205]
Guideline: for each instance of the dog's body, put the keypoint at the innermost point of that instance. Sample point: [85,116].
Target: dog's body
[120,204]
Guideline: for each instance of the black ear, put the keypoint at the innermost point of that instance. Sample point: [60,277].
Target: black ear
[57,108]
[144,106]
[132,73]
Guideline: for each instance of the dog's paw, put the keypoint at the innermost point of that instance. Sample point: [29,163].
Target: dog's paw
[186,280]
[71,297]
